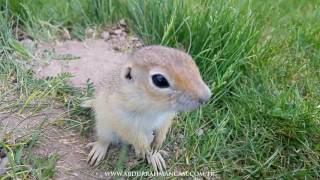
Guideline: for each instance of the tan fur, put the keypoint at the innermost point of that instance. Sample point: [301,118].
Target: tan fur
[130,110]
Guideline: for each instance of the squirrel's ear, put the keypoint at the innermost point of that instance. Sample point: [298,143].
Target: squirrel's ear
[127,73]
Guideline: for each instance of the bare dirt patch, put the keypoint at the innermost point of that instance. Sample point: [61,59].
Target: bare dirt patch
[88,59]
[54,140]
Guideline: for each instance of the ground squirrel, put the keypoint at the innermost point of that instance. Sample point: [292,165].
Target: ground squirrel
[138,99]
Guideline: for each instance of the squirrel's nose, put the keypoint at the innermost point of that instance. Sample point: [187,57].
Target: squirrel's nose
[205,96]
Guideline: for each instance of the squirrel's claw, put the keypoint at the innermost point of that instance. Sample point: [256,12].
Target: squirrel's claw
[97,153]
[156,160]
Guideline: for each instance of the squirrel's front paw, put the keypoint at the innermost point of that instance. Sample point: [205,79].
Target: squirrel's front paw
[156,160]
[97,153]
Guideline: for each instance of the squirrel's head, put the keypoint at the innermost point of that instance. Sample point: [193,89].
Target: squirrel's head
[162,78]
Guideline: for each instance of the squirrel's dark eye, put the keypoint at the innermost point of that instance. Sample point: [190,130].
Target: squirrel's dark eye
[160,81]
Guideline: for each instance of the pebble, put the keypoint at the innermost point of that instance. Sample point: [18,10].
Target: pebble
[28,44]
[105,35]
[116,32]
[199,132]
[122,23]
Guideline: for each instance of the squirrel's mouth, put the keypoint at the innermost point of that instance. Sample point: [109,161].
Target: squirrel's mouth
[186,103]
[188,106]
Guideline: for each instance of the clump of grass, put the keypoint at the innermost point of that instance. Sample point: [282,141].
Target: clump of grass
[20,90]
[23,164]
[80,117]
[48,19]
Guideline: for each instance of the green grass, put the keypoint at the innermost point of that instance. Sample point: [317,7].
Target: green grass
[260,58]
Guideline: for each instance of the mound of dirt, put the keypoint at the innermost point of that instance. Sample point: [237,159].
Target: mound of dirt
[88,59]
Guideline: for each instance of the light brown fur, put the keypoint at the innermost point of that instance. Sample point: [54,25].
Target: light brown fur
[130,107]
